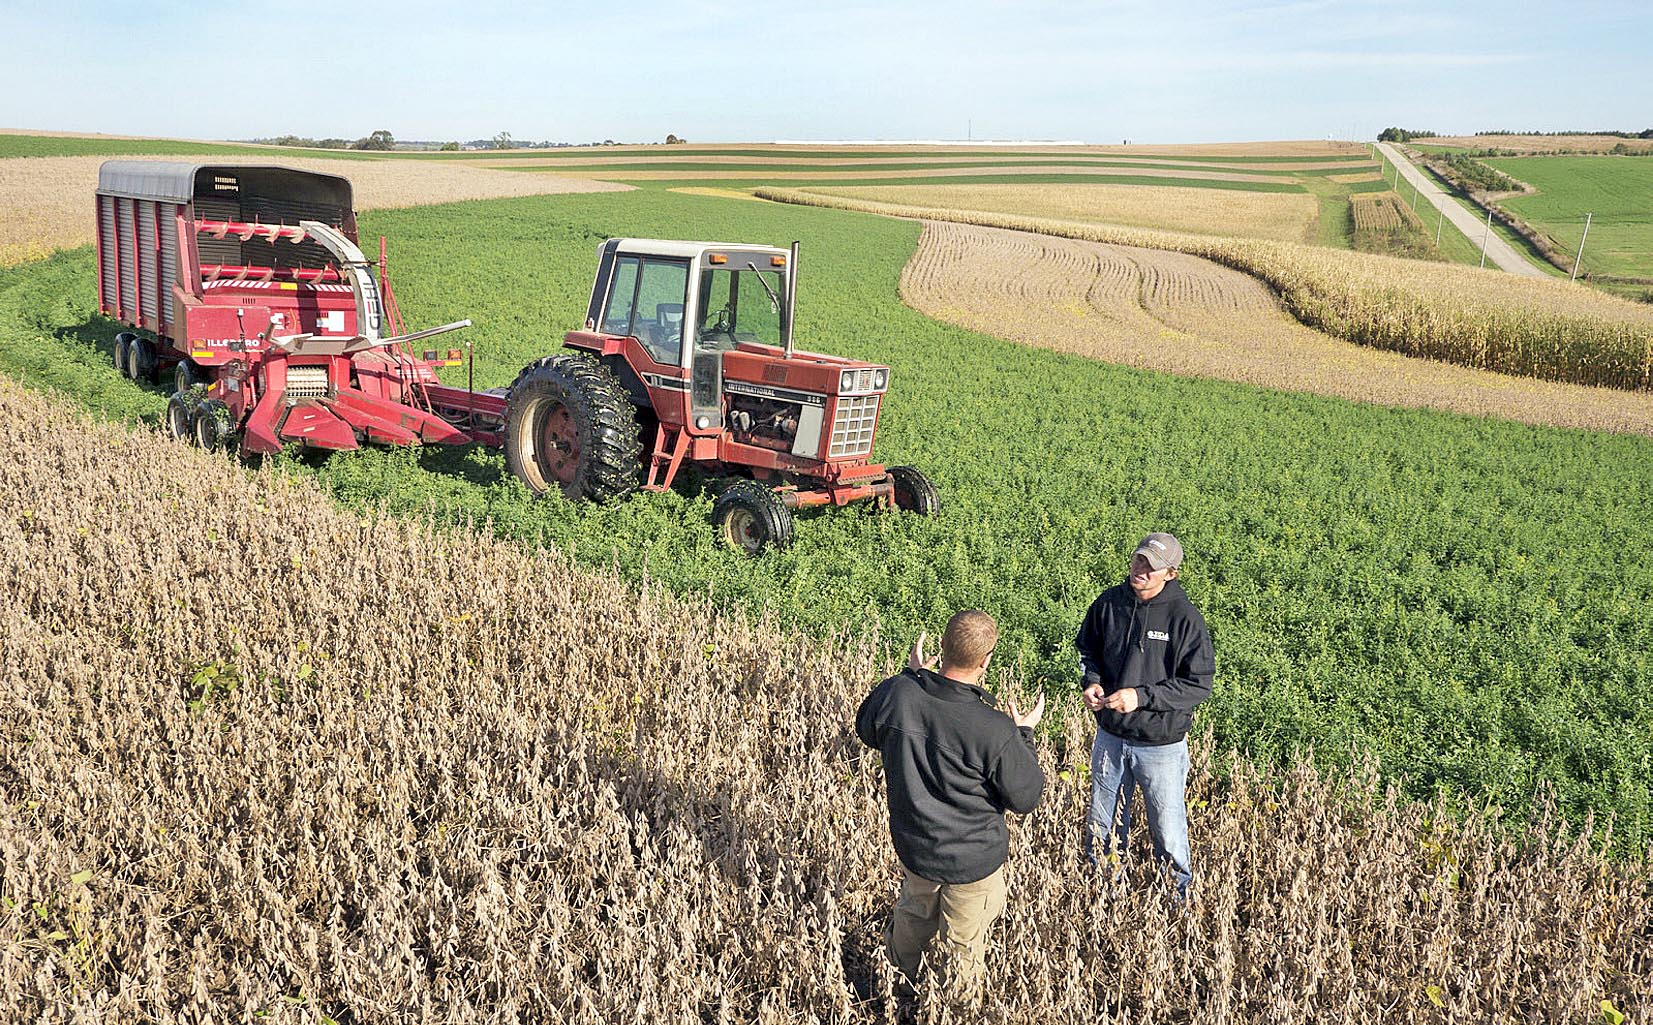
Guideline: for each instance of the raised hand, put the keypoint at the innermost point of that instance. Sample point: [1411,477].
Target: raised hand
[1028,719]
[915,657]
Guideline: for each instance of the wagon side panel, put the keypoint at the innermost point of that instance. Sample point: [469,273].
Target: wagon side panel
[108,254]
[126,246]
[149,307]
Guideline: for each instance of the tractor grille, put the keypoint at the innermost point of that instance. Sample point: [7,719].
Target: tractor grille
[852,430]
[306,382]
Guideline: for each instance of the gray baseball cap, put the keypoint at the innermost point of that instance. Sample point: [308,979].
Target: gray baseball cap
[1161,550]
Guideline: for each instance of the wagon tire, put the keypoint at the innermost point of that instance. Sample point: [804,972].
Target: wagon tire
[913,491]
[180,418]
[750,517]
[123,343]
[140,360]
[569,425]
[186,375]
[214,426]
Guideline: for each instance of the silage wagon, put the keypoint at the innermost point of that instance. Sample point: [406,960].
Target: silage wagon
[248,286]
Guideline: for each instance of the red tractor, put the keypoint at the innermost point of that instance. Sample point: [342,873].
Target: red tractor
[275,325]
[686,356]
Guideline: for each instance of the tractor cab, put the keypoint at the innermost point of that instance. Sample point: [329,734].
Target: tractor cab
[682,306]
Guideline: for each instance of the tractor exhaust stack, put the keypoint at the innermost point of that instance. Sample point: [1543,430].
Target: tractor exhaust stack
[791,299]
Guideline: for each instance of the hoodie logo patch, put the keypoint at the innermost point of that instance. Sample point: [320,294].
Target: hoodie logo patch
[1158,635]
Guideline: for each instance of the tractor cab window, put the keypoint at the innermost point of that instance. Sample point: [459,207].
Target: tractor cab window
[736,306]
[646,302]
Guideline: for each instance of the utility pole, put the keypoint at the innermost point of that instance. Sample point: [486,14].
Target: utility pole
[1487,237]
[1580,255]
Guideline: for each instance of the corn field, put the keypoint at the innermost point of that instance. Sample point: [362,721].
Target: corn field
[1487,320]
[262,759]
[1382,211]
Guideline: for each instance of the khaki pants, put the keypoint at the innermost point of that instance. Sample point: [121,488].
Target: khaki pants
[956,915]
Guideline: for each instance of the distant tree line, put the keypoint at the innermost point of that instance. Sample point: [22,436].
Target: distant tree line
[379,140]
[1645,133]
[1403,135]
[383,140]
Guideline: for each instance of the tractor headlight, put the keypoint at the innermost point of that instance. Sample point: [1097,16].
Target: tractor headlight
[880,380]
[846,381]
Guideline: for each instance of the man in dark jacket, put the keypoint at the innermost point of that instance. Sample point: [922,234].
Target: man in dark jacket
[954,765]
[1146,656]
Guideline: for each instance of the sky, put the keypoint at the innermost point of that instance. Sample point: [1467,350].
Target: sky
[1157,71]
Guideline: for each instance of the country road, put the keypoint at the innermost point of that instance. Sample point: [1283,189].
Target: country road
[1499,253]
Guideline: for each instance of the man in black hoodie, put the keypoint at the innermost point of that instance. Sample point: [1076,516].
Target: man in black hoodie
[1146,656]
[954,765]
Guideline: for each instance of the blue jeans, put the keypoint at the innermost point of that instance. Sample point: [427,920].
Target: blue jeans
[1117,766]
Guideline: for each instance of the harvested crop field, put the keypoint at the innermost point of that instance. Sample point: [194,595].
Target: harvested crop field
[1219,212]
[1540,143]
[448,786]
[48,200]
[784,159]
[1289,150]
[1187,315]
[666,173]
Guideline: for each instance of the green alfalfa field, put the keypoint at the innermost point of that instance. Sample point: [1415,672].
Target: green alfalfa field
[1465,599]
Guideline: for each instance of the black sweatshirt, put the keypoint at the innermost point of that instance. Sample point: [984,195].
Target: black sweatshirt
[1161,647]
[954,765]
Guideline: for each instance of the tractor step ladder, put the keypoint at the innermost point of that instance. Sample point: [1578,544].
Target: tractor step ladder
[670,460]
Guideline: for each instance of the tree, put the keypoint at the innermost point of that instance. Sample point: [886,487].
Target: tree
[379,140]
[672,140]
[450,147]
[503,141]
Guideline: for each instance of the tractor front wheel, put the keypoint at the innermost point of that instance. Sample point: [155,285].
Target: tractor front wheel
[569,425]
[914,492]
[750,517]
[180,418]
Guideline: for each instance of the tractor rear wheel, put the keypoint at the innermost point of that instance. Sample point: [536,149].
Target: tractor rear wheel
[180,418]
[914,492]
[750,517]
[123,344]
[569,425]
[214,427]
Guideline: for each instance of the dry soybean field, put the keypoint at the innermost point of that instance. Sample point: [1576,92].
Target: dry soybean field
[448,786]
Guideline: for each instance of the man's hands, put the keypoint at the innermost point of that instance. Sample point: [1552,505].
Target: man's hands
[1028,719]
[915,657]
[1124,700]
